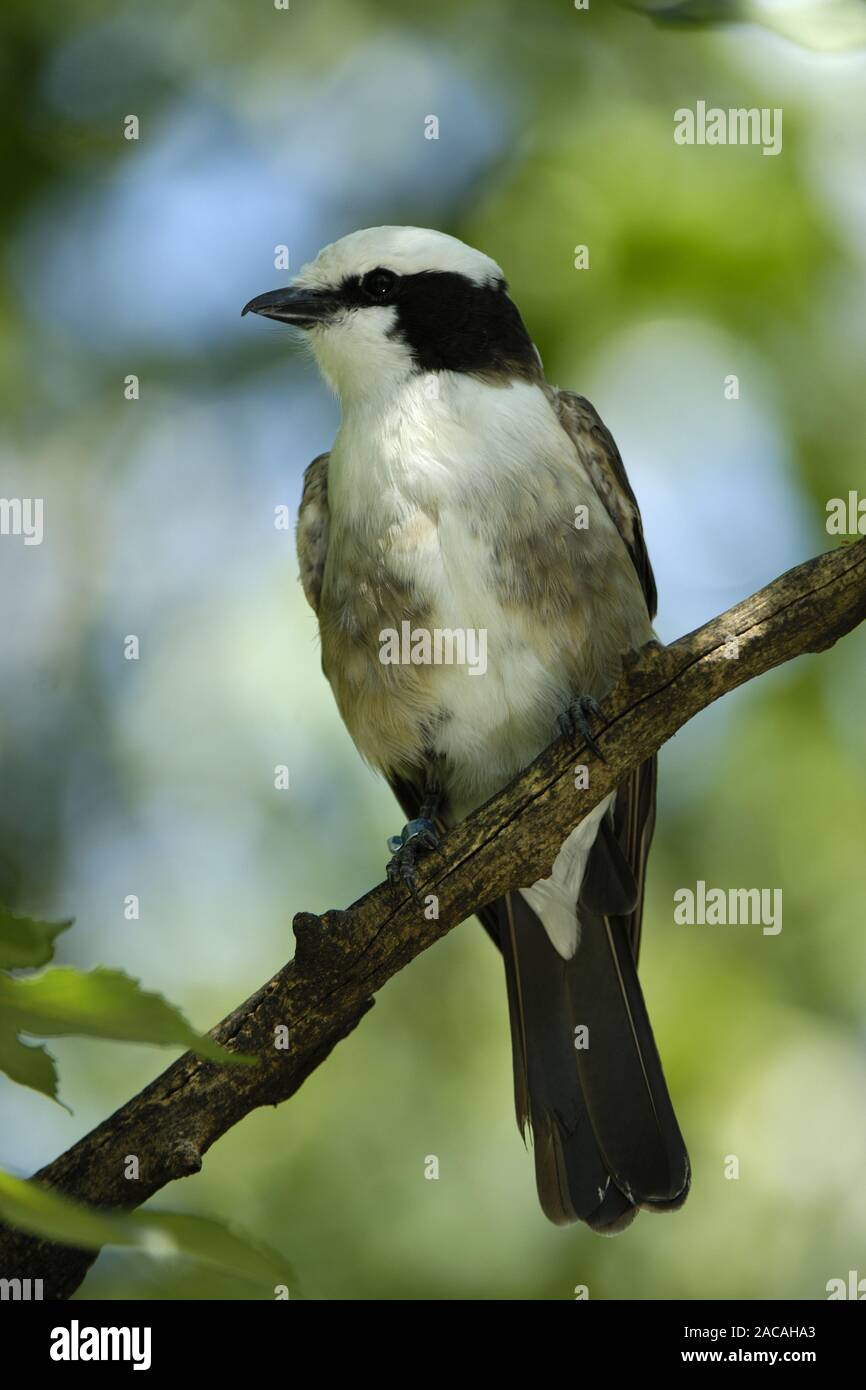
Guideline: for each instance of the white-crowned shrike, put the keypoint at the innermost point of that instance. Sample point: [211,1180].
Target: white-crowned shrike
[467,506]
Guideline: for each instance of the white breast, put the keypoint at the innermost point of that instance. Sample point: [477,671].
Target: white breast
[420,474]
[416,476]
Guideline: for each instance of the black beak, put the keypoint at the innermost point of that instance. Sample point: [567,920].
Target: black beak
[303,308]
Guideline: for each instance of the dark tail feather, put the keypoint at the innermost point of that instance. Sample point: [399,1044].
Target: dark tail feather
[606,1139]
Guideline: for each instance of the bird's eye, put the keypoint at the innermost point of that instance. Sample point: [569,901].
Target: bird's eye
[379,284]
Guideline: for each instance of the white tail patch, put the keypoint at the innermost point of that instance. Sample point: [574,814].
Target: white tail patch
[554,899]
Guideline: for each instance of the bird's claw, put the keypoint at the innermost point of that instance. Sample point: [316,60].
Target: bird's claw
[415,837]
[576,720]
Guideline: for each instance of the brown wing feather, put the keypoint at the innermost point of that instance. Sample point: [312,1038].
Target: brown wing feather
[312,547]
[311,535]
[595,445]
[634,816]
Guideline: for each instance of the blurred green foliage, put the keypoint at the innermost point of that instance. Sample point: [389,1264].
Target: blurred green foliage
[156,777]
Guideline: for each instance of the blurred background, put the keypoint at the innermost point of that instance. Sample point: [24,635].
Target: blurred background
[261,128]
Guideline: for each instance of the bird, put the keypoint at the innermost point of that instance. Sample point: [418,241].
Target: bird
[464,494]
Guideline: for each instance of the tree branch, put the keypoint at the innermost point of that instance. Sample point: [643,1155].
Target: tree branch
[342,958]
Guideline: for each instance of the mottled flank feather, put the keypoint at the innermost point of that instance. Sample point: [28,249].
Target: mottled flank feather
[312,530]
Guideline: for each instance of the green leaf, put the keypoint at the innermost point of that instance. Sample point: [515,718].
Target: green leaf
[202,1238]
[42,1212]
[100,1004]
[29,1066]
[828,26]
[26,943]
[690,11]
[45,1213]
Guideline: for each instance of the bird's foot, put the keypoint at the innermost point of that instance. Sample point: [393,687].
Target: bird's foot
[416,837]
[575,720]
